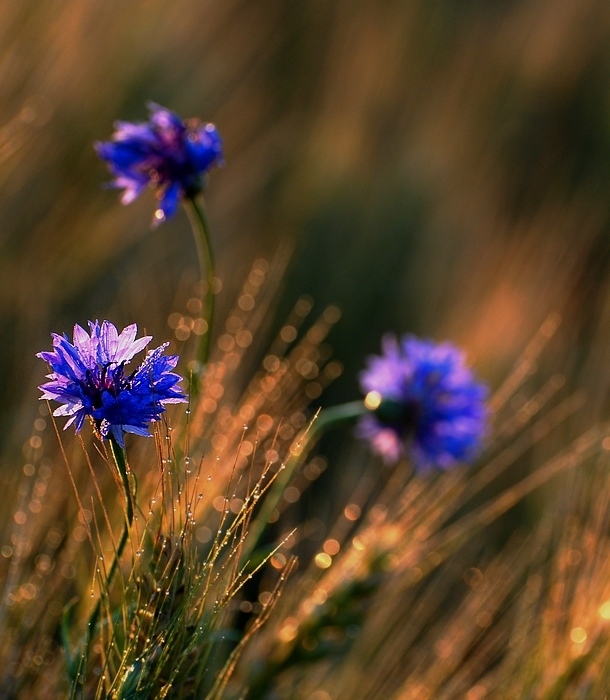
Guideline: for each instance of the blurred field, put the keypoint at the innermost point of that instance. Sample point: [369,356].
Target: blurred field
[437,168]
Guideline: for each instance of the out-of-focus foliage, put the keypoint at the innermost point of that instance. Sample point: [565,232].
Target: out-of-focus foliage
[441,167]
[434,167]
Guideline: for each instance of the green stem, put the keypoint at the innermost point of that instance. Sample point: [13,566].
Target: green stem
[329,418]
[200,226]
[120,460]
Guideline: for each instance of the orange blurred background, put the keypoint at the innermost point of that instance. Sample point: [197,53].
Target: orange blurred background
[439,168]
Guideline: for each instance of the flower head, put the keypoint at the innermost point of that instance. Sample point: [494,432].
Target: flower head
[424,403]
[88,378]
[166,153]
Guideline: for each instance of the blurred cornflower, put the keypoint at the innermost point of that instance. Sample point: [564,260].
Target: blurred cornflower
[88,378]
[424,403]
[166,153]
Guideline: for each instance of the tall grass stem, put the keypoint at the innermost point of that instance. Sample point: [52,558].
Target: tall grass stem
[329,418]
[120,459]
[201,231]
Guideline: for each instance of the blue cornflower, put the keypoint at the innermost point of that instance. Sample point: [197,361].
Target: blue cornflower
[424,402]
[165,153]
[88,377]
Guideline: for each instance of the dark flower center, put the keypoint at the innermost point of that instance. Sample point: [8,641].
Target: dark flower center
[403,416]
[108,378]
